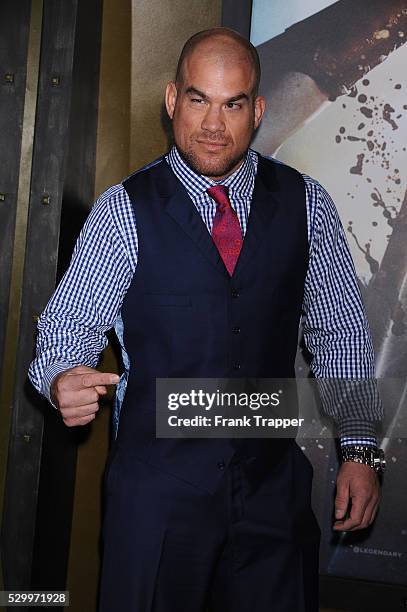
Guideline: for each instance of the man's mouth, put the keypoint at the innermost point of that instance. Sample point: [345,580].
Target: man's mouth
[212,143]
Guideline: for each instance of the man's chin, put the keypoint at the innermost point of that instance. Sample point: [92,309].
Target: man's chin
[213,168]
[215,171]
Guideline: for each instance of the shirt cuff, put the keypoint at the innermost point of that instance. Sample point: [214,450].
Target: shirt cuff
[50,373]
[357,432]
[358,441]
[357,428]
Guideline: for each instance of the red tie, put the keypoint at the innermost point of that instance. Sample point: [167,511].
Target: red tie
[226,232]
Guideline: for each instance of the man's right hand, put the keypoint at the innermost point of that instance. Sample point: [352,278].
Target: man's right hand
[76,393]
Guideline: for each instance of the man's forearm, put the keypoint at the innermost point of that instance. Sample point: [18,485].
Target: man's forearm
[336,331]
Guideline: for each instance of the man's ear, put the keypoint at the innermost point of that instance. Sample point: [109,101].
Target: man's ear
[170,98]
[259,108]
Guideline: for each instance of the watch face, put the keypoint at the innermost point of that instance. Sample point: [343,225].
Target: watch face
[379,460]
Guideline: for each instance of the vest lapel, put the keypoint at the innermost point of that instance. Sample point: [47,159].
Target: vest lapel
[262,209]
[180,207]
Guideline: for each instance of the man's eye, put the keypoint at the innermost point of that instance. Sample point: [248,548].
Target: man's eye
[197,100]
[233,105]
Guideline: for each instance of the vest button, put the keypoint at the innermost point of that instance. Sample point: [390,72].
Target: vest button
[236,366]
[221,465]
[235,294]
[236,330]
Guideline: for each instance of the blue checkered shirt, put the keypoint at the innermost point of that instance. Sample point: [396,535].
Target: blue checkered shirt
[87,303]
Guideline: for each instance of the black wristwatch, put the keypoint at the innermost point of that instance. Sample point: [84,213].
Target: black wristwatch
[372,456]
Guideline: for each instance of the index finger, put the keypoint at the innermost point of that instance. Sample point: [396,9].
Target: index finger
[92,379]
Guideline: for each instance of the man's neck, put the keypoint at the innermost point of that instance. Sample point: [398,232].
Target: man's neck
[241,179]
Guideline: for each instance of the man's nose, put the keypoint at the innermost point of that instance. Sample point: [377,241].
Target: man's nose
[213,120]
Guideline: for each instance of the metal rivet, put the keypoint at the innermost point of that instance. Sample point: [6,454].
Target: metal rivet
[9,77]
[55,81]
[46,199]
[2,197]
[27,438]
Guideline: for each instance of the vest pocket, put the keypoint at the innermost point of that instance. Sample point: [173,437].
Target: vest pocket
[162,299]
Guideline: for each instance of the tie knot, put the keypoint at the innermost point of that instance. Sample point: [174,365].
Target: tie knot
[219,193]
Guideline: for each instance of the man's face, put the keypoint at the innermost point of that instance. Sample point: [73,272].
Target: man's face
[214,111]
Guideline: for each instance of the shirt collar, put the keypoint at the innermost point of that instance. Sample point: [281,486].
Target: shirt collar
[241,182]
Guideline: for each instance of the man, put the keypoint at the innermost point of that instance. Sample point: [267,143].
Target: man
[204,261]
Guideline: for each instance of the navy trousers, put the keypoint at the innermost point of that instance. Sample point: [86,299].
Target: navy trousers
[252,546]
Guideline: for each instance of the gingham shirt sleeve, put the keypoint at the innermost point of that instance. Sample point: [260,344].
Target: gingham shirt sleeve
[336,330]
[71,330]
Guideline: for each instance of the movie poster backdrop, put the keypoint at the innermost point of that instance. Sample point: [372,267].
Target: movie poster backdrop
[335,80]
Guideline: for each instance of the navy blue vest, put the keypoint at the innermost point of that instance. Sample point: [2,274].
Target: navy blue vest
[185,317]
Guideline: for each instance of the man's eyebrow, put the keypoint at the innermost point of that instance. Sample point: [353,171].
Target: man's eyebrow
[196,92]
[239,96]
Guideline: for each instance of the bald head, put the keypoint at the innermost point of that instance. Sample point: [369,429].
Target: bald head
[213,102]
[224,44]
